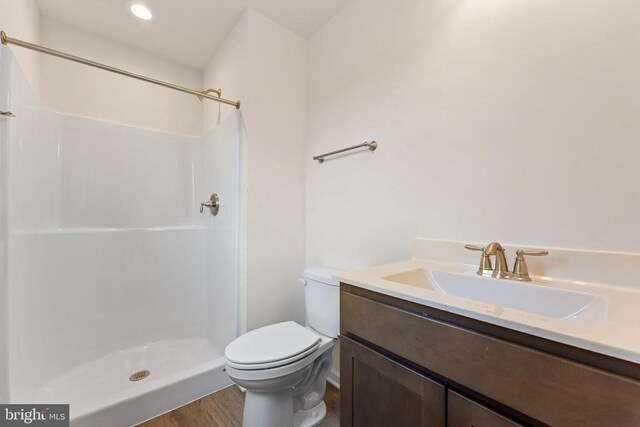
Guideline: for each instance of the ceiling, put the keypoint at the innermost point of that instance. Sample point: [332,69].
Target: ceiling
[187,31]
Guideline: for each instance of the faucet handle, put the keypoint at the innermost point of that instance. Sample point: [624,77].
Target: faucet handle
[520,270]
[474,247]
[532,252]
[213,204]
[485,268]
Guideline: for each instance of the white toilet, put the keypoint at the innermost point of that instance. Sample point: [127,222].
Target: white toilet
[284,366]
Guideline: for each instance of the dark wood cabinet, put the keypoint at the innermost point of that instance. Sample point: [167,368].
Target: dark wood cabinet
[403,364]
[384,393]
[464,412]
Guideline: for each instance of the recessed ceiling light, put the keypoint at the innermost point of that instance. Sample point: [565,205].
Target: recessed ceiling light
[141,11]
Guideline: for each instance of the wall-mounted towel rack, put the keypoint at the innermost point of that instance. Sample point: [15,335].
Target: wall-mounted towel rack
[371,145]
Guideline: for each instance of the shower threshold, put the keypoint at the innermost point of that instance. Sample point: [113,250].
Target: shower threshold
[100,392]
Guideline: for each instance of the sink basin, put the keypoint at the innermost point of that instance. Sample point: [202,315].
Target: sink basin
[543,300]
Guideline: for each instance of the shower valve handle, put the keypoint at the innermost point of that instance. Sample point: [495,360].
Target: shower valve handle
[213,204]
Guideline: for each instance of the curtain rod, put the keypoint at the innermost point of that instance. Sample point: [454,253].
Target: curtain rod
[199,93]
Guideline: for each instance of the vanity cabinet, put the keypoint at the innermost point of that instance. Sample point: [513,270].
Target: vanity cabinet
[405,364]
[385,393]
[464,412]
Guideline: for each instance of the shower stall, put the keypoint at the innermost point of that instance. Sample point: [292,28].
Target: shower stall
[117,296]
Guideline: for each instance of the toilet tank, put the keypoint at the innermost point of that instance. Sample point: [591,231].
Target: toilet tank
[322,300]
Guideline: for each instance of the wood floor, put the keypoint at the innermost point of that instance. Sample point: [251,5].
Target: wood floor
[224,409]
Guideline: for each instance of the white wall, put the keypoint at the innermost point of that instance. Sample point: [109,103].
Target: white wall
[76,89]
[227,69]
[85,91]
[21,20]
[514,121]
[276,128]
[265,65]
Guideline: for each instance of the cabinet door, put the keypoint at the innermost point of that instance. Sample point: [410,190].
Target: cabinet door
[462,412]
[377,391]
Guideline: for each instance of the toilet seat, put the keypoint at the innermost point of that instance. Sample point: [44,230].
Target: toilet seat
[271,347]
[325,344]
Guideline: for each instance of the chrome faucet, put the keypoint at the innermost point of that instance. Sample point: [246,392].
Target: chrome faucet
[501,271]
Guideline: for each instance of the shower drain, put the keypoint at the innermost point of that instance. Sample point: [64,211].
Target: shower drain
[140,375]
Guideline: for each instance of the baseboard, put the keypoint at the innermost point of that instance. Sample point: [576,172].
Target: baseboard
[334,378]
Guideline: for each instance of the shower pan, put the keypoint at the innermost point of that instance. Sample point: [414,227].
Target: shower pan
[116,295]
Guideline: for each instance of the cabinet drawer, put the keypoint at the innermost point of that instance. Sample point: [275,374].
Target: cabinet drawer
[378,392]
[462,412]
[547,388]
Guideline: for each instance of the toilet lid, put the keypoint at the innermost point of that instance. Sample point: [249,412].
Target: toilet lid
[271,346]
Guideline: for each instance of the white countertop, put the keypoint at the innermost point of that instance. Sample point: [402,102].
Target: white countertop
[617,334]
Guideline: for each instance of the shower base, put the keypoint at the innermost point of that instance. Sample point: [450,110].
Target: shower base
[100,392]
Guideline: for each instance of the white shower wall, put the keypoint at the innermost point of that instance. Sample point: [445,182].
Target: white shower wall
[78,295]
[108,254]
[217,158]
[4,231]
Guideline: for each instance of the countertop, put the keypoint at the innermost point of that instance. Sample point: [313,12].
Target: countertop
[616,334]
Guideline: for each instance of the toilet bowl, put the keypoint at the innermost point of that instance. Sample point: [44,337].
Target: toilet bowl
[284,366]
